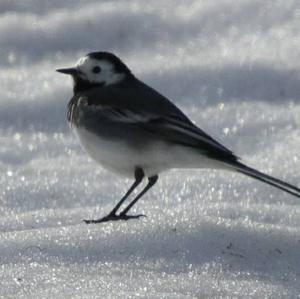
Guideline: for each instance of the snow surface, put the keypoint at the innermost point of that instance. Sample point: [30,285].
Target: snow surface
[233,67]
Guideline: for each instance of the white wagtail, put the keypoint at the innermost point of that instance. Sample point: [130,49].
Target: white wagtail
[133,130]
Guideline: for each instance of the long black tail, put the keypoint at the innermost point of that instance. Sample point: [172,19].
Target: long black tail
[239,167]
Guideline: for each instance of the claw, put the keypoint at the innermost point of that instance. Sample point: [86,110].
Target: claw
[114,217]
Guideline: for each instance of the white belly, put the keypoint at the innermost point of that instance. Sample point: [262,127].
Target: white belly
[120,158]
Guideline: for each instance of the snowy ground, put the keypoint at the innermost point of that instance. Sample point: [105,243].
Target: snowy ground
[233,67]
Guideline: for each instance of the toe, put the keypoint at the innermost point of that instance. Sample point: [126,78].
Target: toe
[113,217]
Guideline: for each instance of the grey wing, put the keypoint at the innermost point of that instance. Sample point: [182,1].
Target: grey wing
[187,134]
[144,110]
[173,128]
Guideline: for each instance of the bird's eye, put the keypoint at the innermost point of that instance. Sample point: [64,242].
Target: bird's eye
[96,69]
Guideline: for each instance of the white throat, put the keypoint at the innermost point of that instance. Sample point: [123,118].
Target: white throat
[106,76]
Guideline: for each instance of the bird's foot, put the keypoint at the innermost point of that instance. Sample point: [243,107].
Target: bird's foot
[114,217]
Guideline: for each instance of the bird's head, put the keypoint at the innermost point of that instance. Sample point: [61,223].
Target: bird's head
[97,69]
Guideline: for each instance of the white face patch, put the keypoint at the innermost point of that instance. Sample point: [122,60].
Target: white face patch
[98,71]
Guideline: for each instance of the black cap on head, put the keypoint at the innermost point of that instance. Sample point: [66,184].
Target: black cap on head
[119,65]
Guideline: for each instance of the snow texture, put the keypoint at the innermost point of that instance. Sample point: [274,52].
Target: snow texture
[233,67]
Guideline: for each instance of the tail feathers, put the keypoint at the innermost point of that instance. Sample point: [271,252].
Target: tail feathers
[267,179]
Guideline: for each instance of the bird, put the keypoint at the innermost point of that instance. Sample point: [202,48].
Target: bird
[134,131]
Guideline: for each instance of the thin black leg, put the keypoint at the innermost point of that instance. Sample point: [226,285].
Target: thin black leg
[151,183]
[139,175]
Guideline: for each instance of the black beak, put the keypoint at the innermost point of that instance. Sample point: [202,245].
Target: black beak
[68,71]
